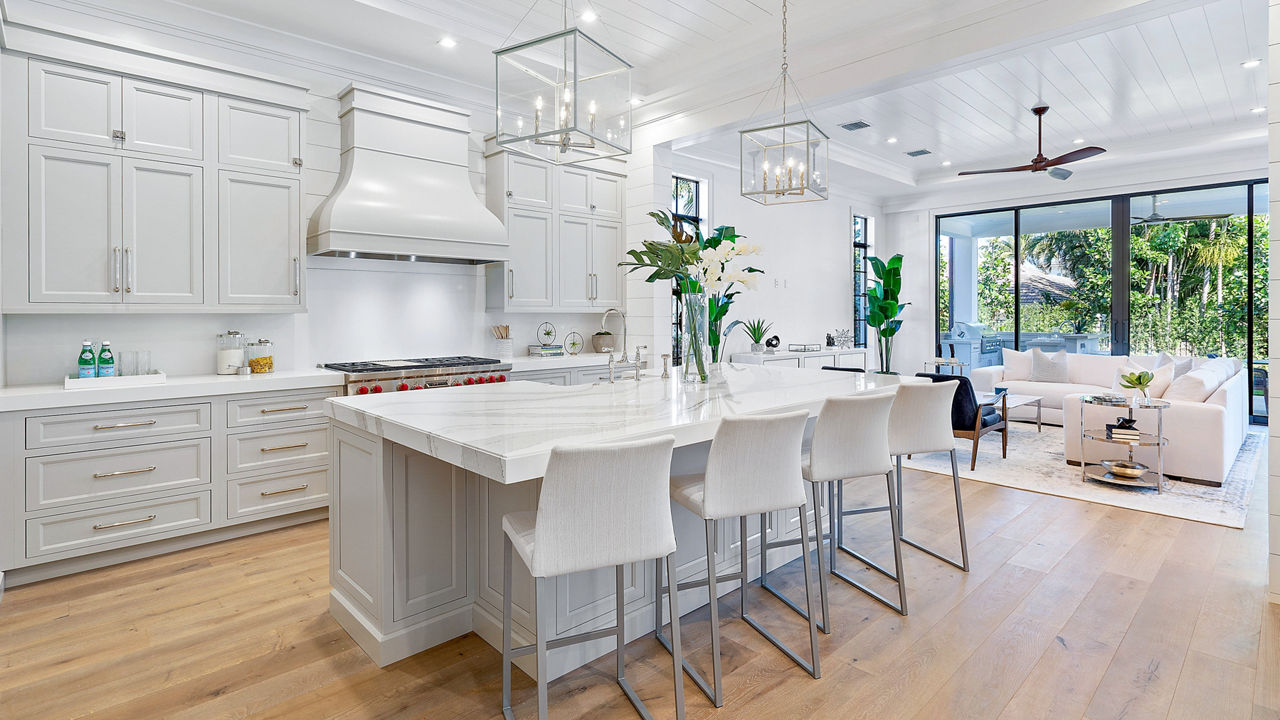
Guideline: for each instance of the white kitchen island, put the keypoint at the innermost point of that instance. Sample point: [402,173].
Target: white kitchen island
[421,480]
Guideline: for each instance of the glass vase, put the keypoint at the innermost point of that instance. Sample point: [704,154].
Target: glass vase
[697,347]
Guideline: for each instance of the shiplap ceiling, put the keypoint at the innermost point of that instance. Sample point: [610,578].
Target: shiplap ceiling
[1177,78]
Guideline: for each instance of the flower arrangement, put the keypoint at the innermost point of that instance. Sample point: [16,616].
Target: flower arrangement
[1140,381]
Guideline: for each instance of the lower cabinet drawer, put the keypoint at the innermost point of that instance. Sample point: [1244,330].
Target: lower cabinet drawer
[276,494]
[270,449]
[88,528]
[57,480]
[277,408]
[111,425]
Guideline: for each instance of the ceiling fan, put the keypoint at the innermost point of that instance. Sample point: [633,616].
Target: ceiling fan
[1156,218]
[1040,163]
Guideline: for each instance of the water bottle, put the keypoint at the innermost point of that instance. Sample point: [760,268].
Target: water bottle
[87,362]
[106,360]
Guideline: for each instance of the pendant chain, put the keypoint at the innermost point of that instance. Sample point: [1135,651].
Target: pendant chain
[784,61]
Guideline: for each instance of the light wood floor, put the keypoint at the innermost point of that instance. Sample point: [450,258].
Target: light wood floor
[1072,610]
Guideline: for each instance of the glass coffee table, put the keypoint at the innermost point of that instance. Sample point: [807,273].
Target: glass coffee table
[1014,401]
[1126,472]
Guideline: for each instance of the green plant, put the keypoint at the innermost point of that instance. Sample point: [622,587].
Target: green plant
[883,305]
[755,329]
[1139,381]
[603,332]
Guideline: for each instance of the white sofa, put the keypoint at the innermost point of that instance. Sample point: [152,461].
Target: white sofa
[1204,437]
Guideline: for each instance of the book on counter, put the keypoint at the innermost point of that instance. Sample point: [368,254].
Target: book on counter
[1117,432]
[546,351]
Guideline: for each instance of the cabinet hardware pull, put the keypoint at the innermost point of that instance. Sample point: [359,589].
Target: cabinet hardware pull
[128,270]
[148,518]
[284,447]
[510,194]
[269,493]
[115,269]
[117,135]
[297,162]
[99,476]
[511,283]
[118,426]
[266,411]
[297,276]
[593,208]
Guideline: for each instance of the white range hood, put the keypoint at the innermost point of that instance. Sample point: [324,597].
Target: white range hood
[404,190]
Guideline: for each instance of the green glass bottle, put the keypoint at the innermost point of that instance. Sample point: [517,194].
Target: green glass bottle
[106,360]
[87,362]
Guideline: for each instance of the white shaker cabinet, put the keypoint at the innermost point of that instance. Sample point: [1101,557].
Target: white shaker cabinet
[74,240]
[528,181]
[576,283]
[259,136]
[163,232]
[606,196]
[259,243]
[73,104]
[607,247]
[529,272]
[163,119]
[575,189]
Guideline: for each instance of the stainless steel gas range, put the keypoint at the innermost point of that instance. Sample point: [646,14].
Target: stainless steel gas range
[364,378]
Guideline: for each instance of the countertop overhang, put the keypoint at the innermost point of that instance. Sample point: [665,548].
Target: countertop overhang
[506,431]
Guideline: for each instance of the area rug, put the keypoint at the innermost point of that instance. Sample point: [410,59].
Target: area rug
[1036,463]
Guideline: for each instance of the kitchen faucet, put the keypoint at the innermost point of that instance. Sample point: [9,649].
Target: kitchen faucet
[622,315]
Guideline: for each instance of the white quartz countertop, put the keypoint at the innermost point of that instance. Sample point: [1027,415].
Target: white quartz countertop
[40,397]
[506,431]
[533,364]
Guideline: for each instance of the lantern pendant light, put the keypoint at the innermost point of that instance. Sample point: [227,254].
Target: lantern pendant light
[563,98]
[784,162]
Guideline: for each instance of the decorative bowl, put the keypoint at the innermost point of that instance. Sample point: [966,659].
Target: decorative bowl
[1124,468]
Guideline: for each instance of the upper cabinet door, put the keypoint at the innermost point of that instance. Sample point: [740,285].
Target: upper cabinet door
[528,182]
[163,232]
[530,271]
[72,104]
[260,136]
[575,190]
[259,245]
[163,119]
[74,214]
[606,253]
[574,251]
[606,196]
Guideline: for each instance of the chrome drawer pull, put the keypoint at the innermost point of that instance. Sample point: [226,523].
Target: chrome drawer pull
[266,411]
[269,493]
[148,518]
[284,447]
[125,472]
[117,426]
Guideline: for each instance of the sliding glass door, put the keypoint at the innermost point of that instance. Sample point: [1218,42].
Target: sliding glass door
[976,287]
[1064,279]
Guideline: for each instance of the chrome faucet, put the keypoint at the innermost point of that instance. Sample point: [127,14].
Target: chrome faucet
[638,349]
[622,350]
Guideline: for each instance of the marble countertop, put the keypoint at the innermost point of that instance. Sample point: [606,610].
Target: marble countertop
[534,364]
[41,397]
[506,431]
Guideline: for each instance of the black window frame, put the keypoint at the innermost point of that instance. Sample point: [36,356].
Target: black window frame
[861,251]
[681,220]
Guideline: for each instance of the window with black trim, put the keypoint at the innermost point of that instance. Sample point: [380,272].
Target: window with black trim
[861,248]
[686,204]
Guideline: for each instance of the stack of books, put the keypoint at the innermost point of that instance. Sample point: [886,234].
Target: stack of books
[1123,432]
[546,350]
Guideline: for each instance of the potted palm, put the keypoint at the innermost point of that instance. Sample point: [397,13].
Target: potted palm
[884,306]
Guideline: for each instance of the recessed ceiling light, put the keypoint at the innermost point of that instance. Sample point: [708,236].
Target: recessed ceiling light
[1251,63]
[1258,110]
[447,42]
[946,163]
[1078,141]
[588,15]
[892,140]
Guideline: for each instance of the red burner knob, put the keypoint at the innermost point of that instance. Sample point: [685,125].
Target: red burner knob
[417,387]
[402,387]
[492,379]
[470,381]
[377,388]
[362,390]
[502,378]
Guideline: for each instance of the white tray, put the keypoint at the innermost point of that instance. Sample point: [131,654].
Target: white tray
[157,377]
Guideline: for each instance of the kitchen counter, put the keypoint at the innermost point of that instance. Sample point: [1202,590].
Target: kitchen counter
[420,482]
[40,397]
[533,364]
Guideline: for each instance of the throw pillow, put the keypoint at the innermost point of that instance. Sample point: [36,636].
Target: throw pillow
[1195,386]
[1181,366]
[1163,359]
[1017,365]
[1162,377]
[1119,389]
[1049,368]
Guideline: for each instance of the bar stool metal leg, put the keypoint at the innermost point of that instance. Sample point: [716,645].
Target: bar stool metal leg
[677,655]
[546,619]
[713,599]
[964,543]
[813,668]
[506,627]
[838,513]
[765,546]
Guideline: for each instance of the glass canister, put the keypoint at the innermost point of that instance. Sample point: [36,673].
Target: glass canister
[230,352]
[261,356]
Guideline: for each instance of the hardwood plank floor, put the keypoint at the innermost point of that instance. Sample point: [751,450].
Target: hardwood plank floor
[1071,611]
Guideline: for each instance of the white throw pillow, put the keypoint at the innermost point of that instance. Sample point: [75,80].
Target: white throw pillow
[1049,368]
[1195,386]
[1017,365]
[1119,389]
[1161,378]
[1163,359]
[1221,368]
[1096,370]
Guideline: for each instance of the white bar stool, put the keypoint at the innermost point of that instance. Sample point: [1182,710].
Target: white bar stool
[753,468]
[600,506]
[920,422]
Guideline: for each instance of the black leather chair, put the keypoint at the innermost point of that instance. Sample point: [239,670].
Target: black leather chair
[971,419]
[832,367]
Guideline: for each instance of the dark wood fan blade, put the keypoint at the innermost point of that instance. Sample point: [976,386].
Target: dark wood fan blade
[1020,168]
[1197,217]
[1073,156]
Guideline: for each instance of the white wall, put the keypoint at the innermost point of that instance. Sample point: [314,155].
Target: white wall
[807,288]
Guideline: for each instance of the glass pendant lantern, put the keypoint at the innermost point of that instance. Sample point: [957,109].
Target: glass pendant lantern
[563,98]
[785,161]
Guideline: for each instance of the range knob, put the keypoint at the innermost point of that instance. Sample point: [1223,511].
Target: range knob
[362,390]
[492,379]
[417,387]
[502,378]
[470,381]
[402,387]
[377,388]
